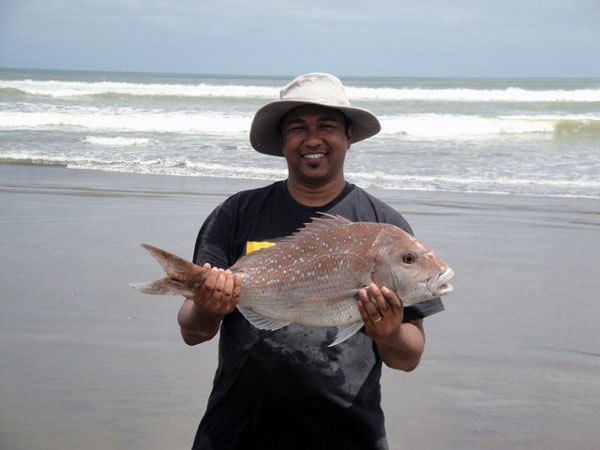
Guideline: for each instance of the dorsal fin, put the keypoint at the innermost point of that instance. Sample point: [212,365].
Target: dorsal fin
[317,225]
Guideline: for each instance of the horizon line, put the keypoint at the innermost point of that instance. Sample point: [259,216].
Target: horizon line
[291,76]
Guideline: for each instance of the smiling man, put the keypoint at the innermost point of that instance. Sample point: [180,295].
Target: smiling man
[286,389]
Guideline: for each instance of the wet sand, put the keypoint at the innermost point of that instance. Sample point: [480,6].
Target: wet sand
[86,362]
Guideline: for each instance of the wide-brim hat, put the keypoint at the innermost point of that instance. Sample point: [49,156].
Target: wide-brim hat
[315,89]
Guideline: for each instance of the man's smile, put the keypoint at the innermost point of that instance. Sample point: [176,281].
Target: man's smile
[314,156]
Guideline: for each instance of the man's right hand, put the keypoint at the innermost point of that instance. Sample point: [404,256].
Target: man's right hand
[200,316]
[219,293]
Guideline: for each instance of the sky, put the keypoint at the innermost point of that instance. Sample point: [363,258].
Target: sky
[434,38]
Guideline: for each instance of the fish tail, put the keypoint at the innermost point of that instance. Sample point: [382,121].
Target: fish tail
[183,277]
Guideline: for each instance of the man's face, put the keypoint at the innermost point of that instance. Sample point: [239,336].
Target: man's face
[314,143]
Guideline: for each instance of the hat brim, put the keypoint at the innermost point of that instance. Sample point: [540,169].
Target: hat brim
[265,135]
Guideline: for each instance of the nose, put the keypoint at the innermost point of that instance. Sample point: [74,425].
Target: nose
[313,138]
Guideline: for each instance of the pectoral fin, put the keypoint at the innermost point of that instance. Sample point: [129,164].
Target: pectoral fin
[262,322]
[346,332]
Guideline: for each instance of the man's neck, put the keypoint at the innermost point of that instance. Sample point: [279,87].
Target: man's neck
[315,195]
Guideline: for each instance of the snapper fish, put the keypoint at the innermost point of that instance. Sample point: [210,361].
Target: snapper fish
[313,276]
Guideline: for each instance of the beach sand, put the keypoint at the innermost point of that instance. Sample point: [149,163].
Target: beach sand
[86,362]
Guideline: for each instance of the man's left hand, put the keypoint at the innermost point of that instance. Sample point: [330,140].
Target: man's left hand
[382,312]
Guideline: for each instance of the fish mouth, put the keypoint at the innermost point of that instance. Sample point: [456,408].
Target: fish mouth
[439,285]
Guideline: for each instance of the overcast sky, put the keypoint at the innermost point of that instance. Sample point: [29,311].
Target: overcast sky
[490,38]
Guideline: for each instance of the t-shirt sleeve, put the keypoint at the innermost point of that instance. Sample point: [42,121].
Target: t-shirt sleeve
[422,310]
[213,241]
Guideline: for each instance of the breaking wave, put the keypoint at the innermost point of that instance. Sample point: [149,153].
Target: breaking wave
[118,141]
[101,120]
[561,187]
[572,128]
[65,89]
[409,125]
[62,89]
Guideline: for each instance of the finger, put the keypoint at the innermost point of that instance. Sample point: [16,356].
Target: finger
[378,299]
[208,287]
[362,299]
[385,299]
[391,298]
[206,266]
[220,284]
[237,286]
[228,287]
[211,279]
[371,309]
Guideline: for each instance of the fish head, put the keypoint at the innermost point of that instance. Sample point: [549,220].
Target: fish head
[415,272]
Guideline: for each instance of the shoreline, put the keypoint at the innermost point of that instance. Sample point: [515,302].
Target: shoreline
[257,182]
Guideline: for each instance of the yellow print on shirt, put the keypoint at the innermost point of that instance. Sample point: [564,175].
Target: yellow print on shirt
[252,246]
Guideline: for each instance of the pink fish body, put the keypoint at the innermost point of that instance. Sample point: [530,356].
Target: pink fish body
[313,276]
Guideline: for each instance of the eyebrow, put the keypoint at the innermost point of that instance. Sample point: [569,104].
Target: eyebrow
[320,119]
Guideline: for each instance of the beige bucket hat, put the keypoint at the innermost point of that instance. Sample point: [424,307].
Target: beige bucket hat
[313,88]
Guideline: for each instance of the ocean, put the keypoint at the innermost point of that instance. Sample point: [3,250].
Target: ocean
[506,136]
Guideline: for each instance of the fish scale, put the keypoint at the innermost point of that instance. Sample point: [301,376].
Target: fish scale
[313,276]
[304,285]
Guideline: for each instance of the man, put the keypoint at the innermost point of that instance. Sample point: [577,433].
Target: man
[287,389]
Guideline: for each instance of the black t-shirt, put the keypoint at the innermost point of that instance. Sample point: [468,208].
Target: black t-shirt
[286,389]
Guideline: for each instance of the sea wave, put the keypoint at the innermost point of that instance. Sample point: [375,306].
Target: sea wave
[571,128]
[510,94]
[433,126]
[555,187]
[377,178]
[66,89]
[101,120]
[118,141]
[464,126]
[61,89]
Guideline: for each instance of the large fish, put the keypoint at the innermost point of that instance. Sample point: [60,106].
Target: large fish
[313,276]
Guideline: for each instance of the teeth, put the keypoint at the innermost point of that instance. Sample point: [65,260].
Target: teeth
[314,155]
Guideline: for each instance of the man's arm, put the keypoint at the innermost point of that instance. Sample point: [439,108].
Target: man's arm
[400,345]
[200,317]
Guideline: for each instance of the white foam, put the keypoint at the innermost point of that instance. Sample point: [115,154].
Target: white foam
[381,179]
[101,120]
[78,88]
[151,162]
[59,89]
[118,141]
[473,95]
[464,126]
[415,125]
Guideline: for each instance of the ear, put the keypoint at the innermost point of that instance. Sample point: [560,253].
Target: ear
[350,134]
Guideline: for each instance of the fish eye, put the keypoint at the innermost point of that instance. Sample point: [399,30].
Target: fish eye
[409,258]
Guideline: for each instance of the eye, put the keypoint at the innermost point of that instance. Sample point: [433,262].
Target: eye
[409,258]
